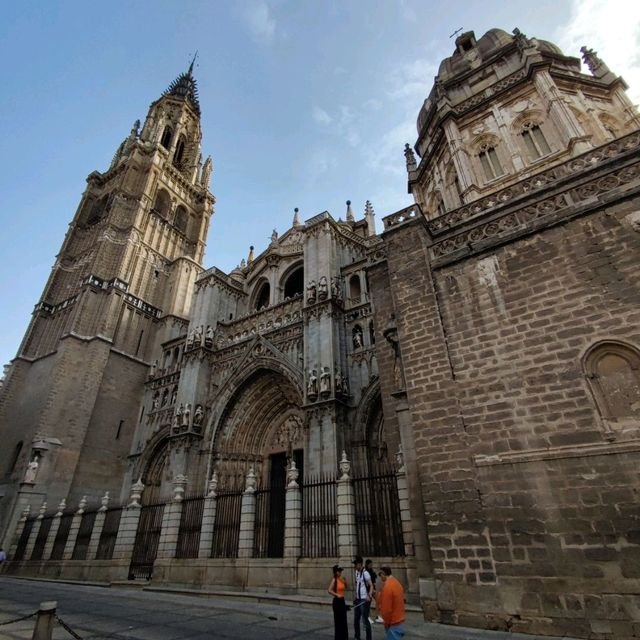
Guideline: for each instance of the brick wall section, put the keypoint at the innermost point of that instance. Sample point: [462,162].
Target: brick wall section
[502,376]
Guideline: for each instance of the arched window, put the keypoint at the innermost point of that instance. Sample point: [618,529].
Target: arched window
[167,135]
[534,140]
[295,283]
[178,156]
[263,297]
[180,219]
[162,205]
[490,162]
[613,372]
[98,210]
[355,290]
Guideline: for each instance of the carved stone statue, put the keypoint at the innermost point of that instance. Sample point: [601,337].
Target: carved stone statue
[152,370]
[32,469]
[208,337]
[323,288]
[174,395]
[591,59]
[410,158]
[312,385]
[155,404]
[311,291]
[179,414]
[339,380]
[191,338]
[197,336]
[391,336]
[325,382]
[198,416]
[357,338]
[186,416]
[336,288]
[274,236]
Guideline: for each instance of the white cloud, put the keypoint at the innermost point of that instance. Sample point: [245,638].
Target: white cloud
[386,155]
[413,80]
[321,116]
[259,21]
[612,28]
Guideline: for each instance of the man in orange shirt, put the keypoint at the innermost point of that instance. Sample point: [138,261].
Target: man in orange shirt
[391,605]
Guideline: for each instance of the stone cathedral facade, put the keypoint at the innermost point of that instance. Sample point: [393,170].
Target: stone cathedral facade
[480,356]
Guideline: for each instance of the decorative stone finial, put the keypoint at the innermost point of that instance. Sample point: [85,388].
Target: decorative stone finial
[410,158]
[61,507]
[251,255]
[250,486]
[274,236]
[82,506]
[296,217]
[213,485]
[591,59]
[136,493]
[26,512]
[105,502]
[345,466]
[400,459]
[350,216]
[292,475]
[43,510]
[179,484]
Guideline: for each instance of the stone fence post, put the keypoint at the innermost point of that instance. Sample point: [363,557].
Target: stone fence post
[129,524]
[53,531]
[22,523]
[248,517]
[171,520]
[293,515]
[403,502]
[347,540]
[74,529]
[28,552]
[98,526]
[208,519]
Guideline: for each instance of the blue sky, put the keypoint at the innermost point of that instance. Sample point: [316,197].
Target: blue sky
[304,104]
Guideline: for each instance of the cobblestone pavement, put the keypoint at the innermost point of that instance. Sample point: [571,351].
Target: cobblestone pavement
[97,613]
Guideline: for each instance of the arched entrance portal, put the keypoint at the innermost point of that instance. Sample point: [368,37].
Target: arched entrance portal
[261,427]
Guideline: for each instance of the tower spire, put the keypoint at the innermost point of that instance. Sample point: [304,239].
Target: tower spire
[190,71]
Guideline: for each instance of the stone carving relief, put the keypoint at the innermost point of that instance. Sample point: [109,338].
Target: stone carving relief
[323,288]
[312,385]
[325,382]
[311,292]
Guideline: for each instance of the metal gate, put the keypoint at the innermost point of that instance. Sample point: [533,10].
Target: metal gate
[145,547]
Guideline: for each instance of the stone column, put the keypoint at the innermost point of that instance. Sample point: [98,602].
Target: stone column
[34,532]
[208,519]
[73,530]
[403,500]
[98,526]
[293,515]
[129,524]
[248,517]
[53,531]
[347,540]
[171,520]
[19,529]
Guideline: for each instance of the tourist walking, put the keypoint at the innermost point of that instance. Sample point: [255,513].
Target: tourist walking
[337,589]
[368,567]
[362,600]
[391,605]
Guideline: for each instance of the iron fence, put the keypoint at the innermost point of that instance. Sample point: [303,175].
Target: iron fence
[41,538]
[62,535]
[319,518]
[145,547]
[190,525]
[226,530]
[23,541]
[109,533]
[378,524]
[84,535]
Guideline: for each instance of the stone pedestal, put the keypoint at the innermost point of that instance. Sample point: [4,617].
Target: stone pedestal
[129,525]
[98,526]
[73,531]
[171,520]
[34,532]
[53,531]
[346,506]
[208,519]
[18,532]
[293,515]
[248,518]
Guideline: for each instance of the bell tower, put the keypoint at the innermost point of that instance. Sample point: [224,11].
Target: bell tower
[120,285]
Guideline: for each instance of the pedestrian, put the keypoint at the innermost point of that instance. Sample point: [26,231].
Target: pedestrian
[368,566]
[3,557]
[391,605]
[362,600]
[337,588]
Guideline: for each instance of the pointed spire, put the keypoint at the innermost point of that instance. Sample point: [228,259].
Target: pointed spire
[190,71]
[369,217]
[184,86]
[296,217]
[350,216]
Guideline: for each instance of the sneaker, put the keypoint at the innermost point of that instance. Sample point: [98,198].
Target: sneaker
[380,620]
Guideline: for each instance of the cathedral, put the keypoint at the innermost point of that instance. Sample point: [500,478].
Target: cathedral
[457,396]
